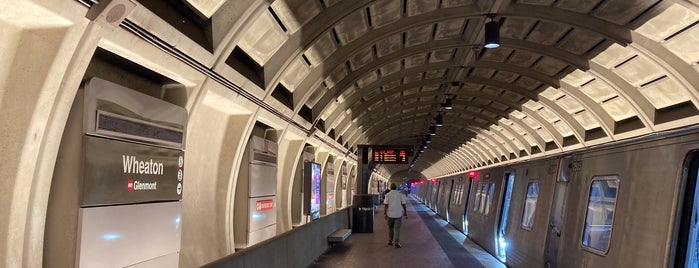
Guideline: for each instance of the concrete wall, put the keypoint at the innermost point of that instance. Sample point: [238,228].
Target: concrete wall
[299,247]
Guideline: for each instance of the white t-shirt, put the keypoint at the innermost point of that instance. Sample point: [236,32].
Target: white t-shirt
[395,201]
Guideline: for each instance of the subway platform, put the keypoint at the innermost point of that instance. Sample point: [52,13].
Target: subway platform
[427,240]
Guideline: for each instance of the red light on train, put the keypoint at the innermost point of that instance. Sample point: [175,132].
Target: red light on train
[473,174]
[422,182]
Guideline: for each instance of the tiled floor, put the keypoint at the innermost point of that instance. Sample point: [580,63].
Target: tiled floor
[426,242]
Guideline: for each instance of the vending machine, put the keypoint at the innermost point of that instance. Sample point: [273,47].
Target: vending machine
[132,178]
[256,194]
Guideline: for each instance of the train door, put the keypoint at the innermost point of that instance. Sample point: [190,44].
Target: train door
[502,225]
[468,198]
[687,247]
[567,167]
[435,195]
[451,193]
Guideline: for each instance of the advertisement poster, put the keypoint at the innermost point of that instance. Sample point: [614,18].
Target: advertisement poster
[315,191]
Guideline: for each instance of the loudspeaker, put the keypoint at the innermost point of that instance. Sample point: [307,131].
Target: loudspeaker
[110,13]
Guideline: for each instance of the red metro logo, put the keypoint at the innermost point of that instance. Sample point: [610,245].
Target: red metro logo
[132,185]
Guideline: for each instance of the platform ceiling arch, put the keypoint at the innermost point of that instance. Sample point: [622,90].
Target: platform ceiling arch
[569,74]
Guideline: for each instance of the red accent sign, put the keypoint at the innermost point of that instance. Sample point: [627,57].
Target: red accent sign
[264,205]
[129,185]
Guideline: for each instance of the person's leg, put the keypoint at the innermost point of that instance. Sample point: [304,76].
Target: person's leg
[396,231]
[391,223]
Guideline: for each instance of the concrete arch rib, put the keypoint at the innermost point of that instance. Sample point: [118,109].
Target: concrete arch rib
[671,63]
[642,107]
[561,113]
[476,161]
[480,159]
[562,55]
[430,46]
[484,134]
[618,34]
[522,140]
[531,132]
[567,118]
[459,159]
[469,159]
[428,118]
[487,148]
[557,137]
[605,120]
[322,24]
[512,147]
[300,40]
[480,150]
[489,65]
[528,72]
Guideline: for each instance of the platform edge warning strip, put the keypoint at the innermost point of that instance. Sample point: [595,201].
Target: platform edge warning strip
[457,254]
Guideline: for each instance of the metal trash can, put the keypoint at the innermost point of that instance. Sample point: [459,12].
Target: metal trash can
[363,213]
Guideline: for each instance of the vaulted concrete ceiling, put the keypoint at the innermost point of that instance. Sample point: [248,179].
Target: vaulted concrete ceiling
[568,73]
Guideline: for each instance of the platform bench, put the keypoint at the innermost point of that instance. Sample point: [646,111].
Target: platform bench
[339,236]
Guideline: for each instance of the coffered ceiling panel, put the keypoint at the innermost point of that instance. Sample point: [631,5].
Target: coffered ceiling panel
[567,74]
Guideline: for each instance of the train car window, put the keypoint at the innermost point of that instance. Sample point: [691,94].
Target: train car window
[530,205]
[477,202]
[461,194]
[688,236]
[490,198]
[600,213]
[455,197]
[484,196]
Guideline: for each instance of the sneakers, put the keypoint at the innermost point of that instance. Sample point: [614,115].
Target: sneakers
[398,245]
[390,243]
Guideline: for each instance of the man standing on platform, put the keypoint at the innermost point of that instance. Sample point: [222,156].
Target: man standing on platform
[394,210]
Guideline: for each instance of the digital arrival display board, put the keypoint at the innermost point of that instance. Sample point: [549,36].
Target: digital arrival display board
[390,156]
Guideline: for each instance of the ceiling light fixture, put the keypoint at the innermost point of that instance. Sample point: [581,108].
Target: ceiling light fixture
[439,120]
[447,104]
[492,34]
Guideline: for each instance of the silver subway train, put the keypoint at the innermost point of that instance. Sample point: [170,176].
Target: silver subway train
[628,204]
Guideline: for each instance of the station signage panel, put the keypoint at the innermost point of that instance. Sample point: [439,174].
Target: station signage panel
[264,205]
[118,172]
[390,156]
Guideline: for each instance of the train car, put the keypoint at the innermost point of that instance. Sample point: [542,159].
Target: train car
[628,204]
[456,213]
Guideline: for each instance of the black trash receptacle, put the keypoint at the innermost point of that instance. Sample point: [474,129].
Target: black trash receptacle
[363,213]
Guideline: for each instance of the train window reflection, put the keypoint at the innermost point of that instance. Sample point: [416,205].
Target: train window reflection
[477,202]
[600,213]
[490,198]
[530,205]
[484,196]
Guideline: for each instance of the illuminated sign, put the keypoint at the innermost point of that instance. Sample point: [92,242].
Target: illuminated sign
[264,205]
[390,156]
